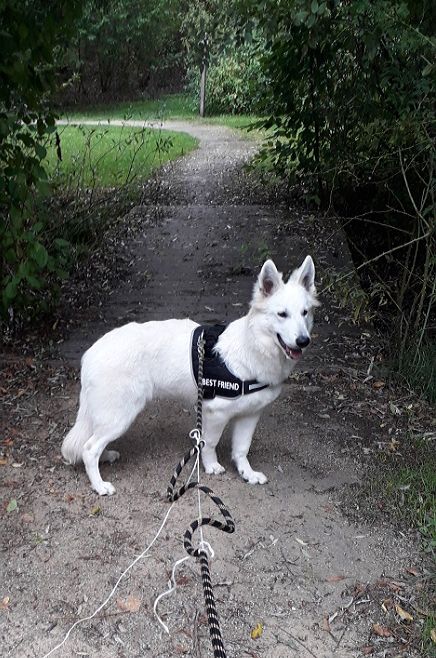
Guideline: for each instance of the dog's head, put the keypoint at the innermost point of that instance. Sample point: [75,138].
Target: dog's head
[285,310]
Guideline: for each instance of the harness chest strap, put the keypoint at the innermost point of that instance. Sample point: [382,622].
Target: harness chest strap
[217,378]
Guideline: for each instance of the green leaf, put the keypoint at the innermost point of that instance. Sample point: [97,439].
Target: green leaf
[428,69]
[40,151]
[63,244]
[12,505]
[39,254]
[34,282]
[10,292]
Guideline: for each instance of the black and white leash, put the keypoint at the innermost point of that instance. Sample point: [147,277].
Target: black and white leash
[228,526]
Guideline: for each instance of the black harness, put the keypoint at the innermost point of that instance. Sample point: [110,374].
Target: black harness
[217,378]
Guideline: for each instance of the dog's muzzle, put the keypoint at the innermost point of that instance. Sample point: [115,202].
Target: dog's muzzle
[291,352]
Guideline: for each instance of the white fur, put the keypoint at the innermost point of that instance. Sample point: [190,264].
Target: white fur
[131,365]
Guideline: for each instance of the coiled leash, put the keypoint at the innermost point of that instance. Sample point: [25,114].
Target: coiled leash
[229,526]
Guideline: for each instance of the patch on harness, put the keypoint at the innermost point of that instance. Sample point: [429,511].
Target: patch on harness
[217,379]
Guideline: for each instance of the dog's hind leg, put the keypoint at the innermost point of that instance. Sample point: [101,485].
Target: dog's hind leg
[94,449]
[243,429]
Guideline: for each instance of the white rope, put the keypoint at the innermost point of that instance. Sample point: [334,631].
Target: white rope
[172,585]
[195,435]
[126,571]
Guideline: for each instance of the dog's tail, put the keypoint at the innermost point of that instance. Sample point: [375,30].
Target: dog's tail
[78,435]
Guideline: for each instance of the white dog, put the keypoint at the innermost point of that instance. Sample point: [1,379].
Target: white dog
[131,365]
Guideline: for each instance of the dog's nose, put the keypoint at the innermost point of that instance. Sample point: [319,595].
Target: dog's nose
[303,341]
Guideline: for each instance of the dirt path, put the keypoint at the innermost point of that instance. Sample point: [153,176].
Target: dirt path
[295,559]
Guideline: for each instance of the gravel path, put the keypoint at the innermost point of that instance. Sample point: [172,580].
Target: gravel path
[296,565]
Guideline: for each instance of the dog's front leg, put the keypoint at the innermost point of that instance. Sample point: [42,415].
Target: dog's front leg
[213,427]
[243,429]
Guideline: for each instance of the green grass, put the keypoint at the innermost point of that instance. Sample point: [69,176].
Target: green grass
[403,489]
[428,644]
[112,156]
[419,370]
[412,491]
[174,106]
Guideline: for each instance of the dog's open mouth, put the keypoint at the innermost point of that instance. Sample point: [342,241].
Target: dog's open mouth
[291,352]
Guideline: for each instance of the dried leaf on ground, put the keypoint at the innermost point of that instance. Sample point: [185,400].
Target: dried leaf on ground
[382,631]
[335,579]
[4,603]
[256,632]
[405,616]
[96,511]
[412,571]
[129,604]
[326,624]
[433,634]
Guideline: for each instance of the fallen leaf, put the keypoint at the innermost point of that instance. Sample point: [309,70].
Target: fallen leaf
[433,634]
[96,510]
[256,632]
[396,411]
[393,445]
[27,518]
[3,461]
[335,579]
[382,631]
[405,616]
[378,384]
[4,603]
[367,650]
[412,571]
[12,505]
[326,624]
[130,604]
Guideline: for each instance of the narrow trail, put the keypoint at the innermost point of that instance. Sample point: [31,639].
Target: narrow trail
[202,233]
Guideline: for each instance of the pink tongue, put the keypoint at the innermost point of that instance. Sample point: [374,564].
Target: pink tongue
[295,354]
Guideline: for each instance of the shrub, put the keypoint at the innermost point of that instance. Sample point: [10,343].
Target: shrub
[31,33]
[236,83]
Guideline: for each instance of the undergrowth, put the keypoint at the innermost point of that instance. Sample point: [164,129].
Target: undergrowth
[402,490]
[418,370]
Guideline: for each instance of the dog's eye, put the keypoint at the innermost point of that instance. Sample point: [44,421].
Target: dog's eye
[283,314]
[304,312]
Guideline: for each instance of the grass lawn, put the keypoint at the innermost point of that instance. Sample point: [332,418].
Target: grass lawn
[112,156]
[174,106]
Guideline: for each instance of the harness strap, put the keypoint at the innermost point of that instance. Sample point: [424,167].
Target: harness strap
[217,379]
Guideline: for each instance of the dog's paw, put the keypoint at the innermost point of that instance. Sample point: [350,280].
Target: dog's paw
[105,489]
[214,469]
[110,456]
[253,477]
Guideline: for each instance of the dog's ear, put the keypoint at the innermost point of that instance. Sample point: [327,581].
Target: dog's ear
[305,275]
[269,278]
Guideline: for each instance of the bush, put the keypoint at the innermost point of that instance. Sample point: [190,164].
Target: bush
[236,83]
[353,96]
[31,32]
